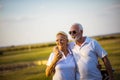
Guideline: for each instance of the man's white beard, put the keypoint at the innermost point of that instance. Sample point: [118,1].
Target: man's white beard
[76,38]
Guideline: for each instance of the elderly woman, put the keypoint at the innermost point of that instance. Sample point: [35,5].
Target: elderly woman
[61,61]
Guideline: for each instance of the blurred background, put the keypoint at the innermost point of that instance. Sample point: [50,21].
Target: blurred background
[28,29]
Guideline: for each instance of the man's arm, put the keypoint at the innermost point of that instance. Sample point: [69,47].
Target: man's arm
[108,67]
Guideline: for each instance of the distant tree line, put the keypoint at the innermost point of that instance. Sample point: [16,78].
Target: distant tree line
[107,37]
[25,47]
[34,46]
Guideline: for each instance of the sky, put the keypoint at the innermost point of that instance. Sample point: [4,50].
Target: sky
[38,21]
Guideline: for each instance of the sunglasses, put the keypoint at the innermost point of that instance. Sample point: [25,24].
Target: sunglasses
[72,32]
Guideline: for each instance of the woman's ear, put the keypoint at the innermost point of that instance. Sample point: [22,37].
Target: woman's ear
[67,40]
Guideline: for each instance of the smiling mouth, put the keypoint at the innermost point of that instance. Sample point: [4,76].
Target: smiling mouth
[60,44]
[73,37]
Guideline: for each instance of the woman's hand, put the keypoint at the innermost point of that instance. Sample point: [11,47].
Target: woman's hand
[58,54]
[55,50]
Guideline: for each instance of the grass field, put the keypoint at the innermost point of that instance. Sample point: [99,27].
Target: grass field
[27,64]
[14,64]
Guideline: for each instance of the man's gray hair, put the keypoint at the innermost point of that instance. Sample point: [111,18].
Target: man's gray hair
[79,25]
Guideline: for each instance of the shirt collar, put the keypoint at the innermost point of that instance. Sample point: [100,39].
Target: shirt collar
[87,40]
[70,52]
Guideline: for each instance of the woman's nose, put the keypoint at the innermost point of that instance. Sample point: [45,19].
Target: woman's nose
[60,41]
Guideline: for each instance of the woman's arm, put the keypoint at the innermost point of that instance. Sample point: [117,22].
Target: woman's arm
[50,69]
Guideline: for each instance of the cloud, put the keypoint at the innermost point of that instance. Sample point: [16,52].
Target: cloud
[110,11]
[41,6]
[115,7]
[19,18]
[1,6]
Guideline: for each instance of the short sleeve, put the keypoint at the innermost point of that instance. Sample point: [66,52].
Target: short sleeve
[99,50]
[50,59]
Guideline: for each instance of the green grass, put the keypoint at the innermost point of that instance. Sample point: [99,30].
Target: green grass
[112,46]
[21,57]
[30,73]
[15,58]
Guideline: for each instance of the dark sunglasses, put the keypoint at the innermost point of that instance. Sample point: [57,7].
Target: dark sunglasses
[74,32]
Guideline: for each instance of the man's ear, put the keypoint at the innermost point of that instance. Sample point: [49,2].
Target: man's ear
[82,32]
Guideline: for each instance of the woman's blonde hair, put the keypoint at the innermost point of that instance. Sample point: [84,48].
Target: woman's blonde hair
[62,33]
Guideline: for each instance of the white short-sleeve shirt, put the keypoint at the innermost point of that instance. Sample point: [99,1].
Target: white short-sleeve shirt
[65,68]
[86,57]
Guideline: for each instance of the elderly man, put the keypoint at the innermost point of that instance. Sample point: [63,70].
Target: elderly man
[86,52]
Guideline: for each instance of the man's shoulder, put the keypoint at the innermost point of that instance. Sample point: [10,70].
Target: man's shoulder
[71,45]
[90,39]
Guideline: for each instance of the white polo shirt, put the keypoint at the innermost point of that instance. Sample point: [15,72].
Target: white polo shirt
[65,67]
[86,57]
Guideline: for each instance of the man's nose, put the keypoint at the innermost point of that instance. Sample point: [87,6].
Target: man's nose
[72,34]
